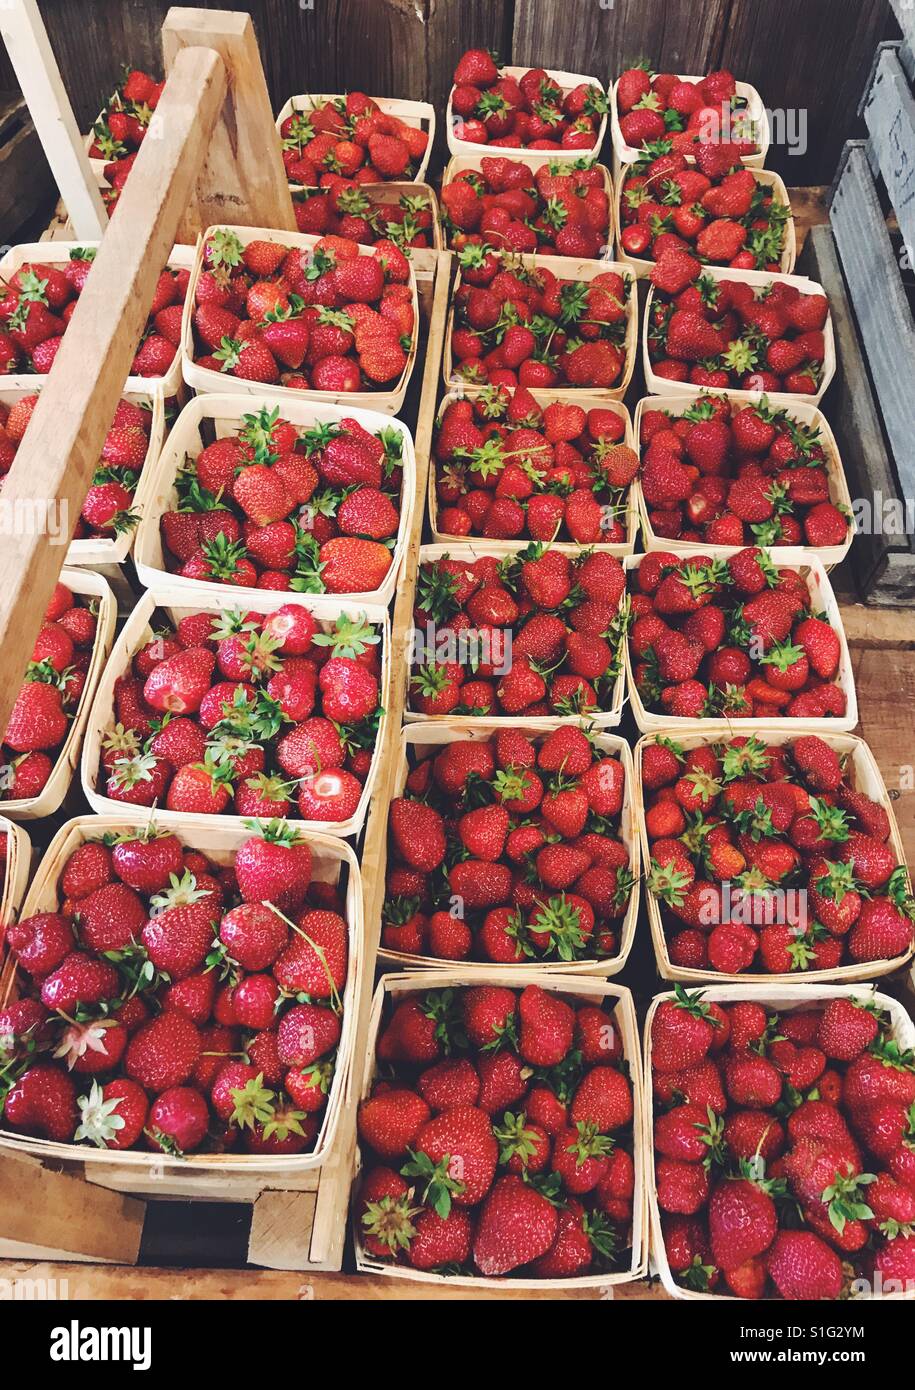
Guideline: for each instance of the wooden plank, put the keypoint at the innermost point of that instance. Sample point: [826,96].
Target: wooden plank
[32,57]
[885,682]
[281,1226]
[242,180]
[851,410]
[904,11]
[884,317]
[877,629]
[59,454]
[601,39]
[44,1214]
[809,60]
[112,1283]
[808,208]
[26,182]
[889,111]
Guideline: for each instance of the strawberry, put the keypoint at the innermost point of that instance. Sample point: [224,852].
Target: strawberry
[517,1225]
[803,1266]
[389,1122]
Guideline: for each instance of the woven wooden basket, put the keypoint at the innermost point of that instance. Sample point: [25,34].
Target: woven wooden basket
[591,990]
[417,113]
[828,555]
[425,740]
[865,776]
[203,379]
[223,415]
[332,858]
[824,600]
[544,398]
[567,81]
[138,631]
[627,154]
[787,1000]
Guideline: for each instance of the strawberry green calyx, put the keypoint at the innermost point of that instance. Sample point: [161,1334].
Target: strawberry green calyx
[181,892]
[275,831]
[694,1004]
[698,1276]
[832,821]
[712,1135]
[389,1221]
[257,432]
[253,1103]
[560,920]
[99,1118]
[888,1051]
[224,249]
[668,883]
[131,771]
[349,637]
[223,556]
[123,741]
[590,1143]
[845,1201]
[515,1141]
[838,880]
[437,1185]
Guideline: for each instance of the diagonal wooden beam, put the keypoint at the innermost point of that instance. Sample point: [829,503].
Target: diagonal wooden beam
[60,451]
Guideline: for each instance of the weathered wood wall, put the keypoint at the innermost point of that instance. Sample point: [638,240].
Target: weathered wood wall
[803,55]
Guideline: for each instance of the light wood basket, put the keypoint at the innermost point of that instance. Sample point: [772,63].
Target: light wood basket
[534,160]
[565,268]
[824,601]
[138,630]
[428,739]
[224,414]
[628,154]
[602,719]
[544,398]
[642,268]
[91,586]
[828,555]
[567,81]
[786,1000]
[663,386]
[416,113]
[113,550]
[204,379]
[588,991]
[865,776]
[331,858]
[18,868]
[58,253]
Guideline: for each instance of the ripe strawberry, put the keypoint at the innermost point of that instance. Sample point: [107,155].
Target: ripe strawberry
[517,1225]
[390,1121]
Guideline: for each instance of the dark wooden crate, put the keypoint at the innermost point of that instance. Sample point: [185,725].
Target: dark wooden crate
[27,187]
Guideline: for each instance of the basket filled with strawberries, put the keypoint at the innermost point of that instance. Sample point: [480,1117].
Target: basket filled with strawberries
[776,857]
[729,214]
[740,331]
[323,317]
[529,204]
[646,107]
[214,714]
[528,636]
[43,282]
[356,137]
[778,1143]
[120,485]
[374,214]
[716,474]
[511,848]
[523,108]
[512,464]
[736,639]
[268,496]
[182,999]
[542,322]
[501,1133]
[120,129]
[41,744]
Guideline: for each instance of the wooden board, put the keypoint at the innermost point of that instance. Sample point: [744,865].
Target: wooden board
[881,307]
[59,455]
[889,112]
[603,38]
[59,1214]
[26,183]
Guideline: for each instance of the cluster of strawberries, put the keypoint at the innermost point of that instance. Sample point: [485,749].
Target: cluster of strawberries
[716,207]
[727,474]
[503,1143]
[783,1157]
[247,714]
[176,1004]
[323,319]
[537,634]
[524,832]
[532,111]
[349,138]
[769,858]
[721,333]
[312,510]
[518,323]
[560,209]
[689,112]
[508,467]
[49,696]
[735,637]
[356,211]
[107,508]
[121,128]
[38,303]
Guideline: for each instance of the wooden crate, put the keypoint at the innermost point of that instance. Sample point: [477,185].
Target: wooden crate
[877,336]
[26,183]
